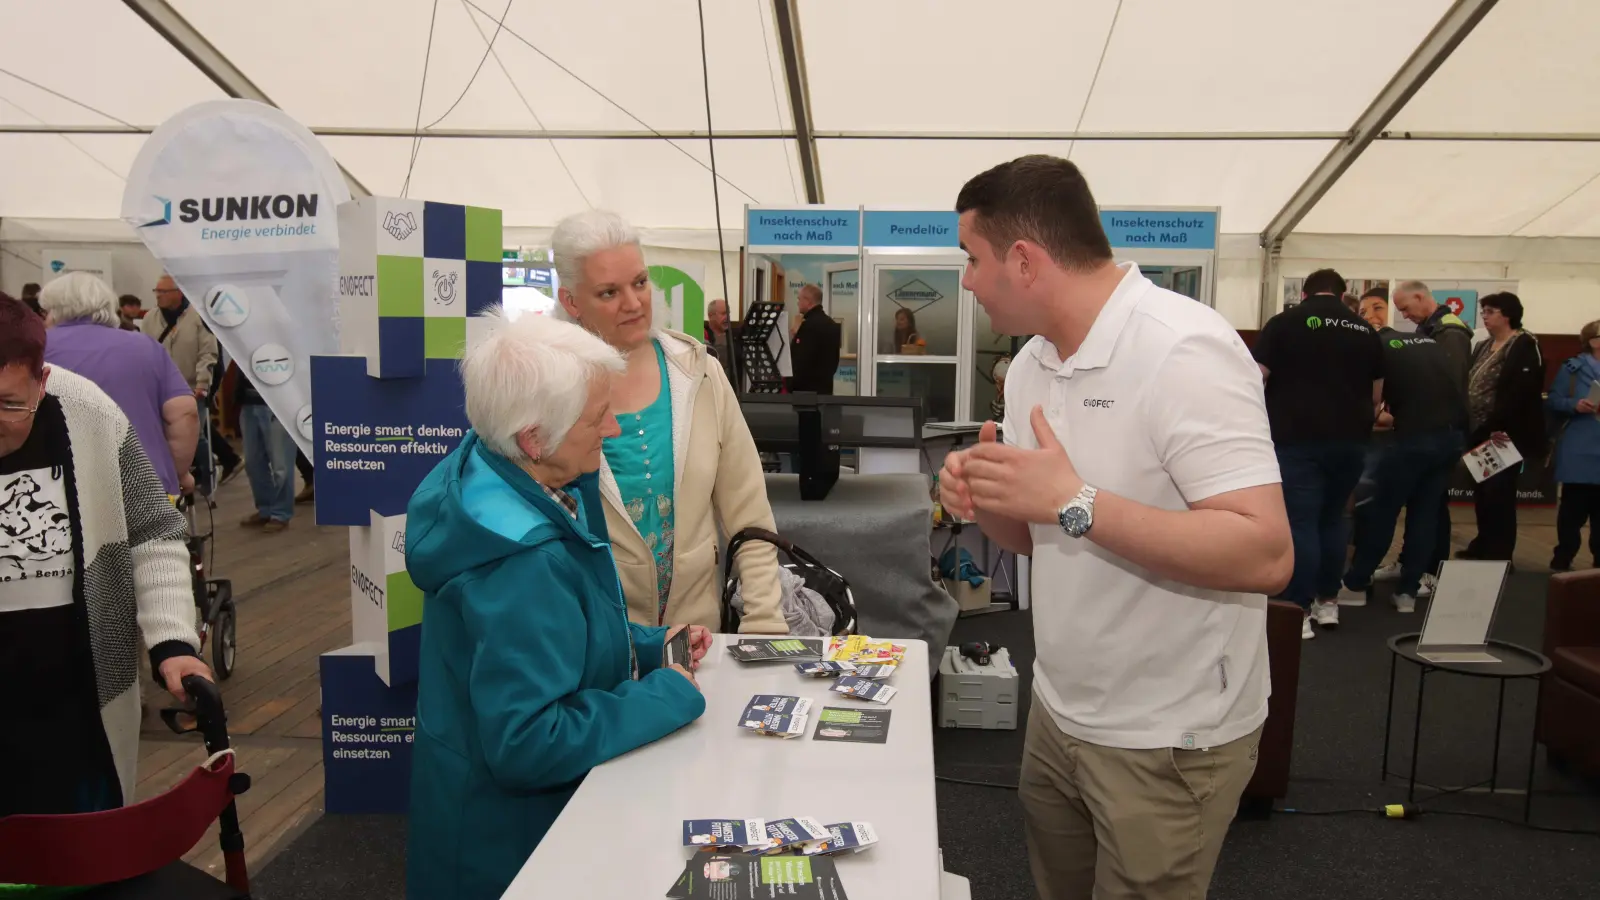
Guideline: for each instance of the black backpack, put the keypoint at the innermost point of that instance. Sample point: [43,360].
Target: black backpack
[835,591]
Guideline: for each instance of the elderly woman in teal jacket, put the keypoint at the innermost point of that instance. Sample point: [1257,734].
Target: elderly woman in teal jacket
[530,672]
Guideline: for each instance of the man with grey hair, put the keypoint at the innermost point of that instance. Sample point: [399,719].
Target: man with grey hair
[85,337]
[721,335]
[1433,320]
[816,344]
[1414,300]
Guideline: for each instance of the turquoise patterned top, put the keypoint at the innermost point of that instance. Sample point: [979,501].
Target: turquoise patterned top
[641,460]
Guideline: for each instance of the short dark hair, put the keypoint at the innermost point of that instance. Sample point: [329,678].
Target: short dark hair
[21,336]
[1042,199]
[1323,281]
[31,289]
[1381,292]
[1509,305]
[134,300]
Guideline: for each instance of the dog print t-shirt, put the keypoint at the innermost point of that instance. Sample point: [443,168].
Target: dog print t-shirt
[53,748]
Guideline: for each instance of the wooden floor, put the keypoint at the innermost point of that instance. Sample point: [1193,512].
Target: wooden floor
[293,597]
[294,603]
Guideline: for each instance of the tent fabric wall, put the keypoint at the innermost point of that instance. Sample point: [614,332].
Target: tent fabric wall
[1206,103]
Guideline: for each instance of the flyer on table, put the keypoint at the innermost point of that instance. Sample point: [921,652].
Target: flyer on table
[724,832]
[754,650]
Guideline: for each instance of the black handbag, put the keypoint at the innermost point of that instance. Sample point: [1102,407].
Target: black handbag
[832,587]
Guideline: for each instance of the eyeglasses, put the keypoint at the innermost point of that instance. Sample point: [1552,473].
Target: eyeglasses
[19,412]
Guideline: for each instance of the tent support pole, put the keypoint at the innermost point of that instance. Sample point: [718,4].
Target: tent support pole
[186,39]
[794,74]
[1452,28]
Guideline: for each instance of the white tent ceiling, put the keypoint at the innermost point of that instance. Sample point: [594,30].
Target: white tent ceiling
[1231,103]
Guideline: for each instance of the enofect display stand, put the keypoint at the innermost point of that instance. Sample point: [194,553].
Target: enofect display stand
[414,278]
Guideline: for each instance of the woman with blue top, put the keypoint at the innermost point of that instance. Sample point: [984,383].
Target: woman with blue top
[684,464]
[1571,401]
[530,673]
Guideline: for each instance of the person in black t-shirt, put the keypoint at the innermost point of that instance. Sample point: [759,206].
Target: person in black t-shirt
[1324,377]
[1424,396]
[92,558]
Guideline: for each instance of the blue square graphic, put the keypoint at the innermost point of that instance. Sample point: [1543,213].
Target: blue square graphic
[483,286]
[444,231]
[358,474]
[400,346]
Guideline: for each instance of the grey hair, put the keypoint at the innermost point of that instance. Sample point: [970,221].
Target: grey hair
[1413,287]
[535,372]
[582,235]
[79,296]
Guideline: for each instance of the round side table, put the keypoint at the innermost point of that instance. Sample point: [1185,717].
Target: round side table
[1514,662]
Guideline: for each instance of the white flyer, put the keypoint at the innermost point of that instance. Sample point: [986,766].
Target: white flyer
[1489,459]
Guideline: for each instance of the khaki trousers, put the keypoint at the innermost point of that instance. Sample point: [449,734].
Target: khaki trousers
[1110,824]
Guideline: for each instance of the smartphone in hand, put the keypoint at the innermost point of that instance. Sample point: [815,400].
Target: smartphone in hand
[676,650]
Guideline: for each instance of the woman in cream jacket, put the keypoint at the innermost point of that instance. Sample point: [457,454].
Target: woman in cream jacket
[685,465]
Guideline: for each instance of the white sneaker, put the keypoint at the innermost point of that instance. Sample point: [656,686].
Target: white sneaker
[1326,612]
[1390,572]
[1306,632]
[1348,597]
[1405,603]
[1426,590]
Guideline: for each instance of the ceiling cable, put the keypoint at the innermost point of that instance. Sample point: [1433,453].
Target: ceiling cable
[1089,94]
[68,138]
[711,146]
[624,110]
[422,91]
[777,108]
[499,24]
[529,107]
[58,94]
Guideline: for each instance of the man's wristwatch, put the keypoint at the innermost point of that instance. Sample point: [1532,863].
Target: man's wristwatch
[1077,517]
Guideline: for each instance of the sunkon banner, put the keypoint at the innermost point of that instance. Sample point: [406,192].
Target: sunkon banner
[240,203]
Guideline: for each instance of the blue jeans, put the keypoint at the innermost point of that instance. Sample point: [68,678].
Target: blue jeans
[1318,479]
[268,461]
[1415,474]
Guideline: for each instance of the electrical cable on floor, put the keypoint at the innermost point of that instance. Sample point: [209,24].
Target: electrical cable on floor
[711,146]
[1408,811]
[1392,811]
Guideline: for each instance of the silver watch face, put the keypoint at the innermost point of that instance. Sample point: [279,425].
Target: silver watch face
[1075,520]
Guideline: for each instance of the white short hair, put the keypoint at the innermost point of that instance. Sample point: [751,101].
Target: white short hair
[535,372]
[582,235]
[79,296]
[1413,287]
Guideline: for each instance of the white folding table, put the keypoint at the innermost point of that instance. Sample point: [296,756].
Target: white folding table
[622,833]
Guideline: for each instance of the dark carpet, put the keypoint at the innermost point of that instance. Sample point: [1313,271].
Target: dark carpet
[1338,746]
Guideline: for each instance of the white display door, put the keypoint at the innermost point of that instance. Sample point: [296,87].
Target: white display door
[841,299]
[916,330]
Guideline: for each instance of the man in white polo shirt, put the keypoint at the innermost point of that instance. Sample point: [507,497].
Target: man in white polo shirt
[1138,472]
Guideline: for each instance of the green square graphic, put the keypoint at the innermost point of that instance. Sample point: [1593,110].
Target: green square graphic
[484,235]
[399,286]
[785,870]
[444,337]
[405,601]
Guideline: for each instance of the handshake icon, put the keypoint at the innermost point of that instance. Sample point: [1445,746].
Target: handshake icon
[400,226]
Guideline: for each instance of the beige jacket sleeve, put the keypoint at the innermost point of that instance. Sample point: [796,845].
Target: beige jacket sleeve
[206,359]
[739,500]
